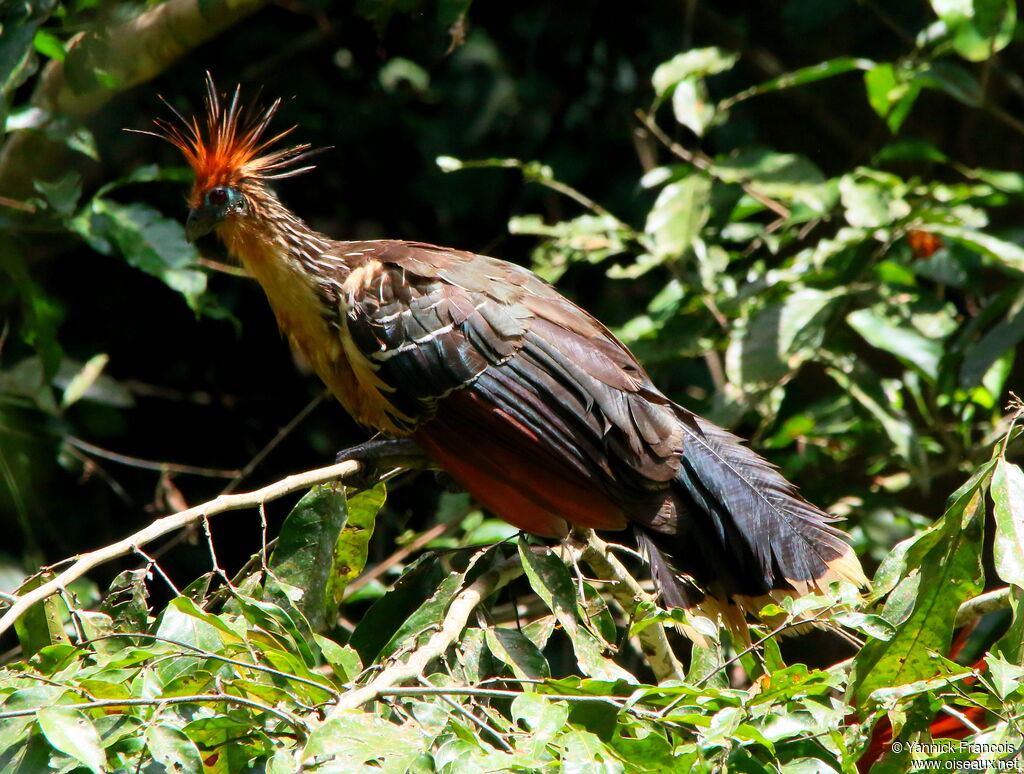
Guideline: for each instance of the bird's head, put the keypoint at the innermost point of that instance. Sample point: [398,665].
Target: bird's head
[231,158]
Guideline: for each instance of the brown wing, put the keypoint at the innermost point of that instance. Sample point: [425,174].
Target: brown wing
[432,321]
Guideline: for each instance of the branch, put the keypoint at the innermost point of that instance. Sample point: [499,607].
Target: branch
[699,161]
[300,728]
[128,54]
[983,604]
[628,592]
[175,521]
[455,621]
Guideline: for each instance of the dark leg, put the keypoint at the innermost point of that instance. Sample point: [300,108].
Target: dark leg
[379,455]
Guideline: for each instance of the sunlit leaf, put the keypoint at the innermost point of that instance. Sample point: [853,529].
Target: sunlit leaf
[351,740]
[550,578]
[304,555]
[891,93]
[1008,497]
[980,28]
[696,62]
[172,748]
[72,732]
[950,570]
[678,215]
[882,331]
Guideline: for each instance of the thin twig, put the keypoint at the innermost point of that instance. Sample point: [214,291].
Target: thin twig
[982,605]
[175,521]
[482,724]
[202,653]
[706,165]
[300,728]
[160,570]
[138,462]
[281,434]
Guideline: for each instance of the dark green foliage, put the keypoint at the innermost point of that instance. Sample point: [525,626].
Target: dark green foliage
[809,233]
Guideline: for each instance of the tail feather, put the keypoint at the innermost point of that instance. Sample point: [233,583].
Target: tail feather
[757,512]
[740,535]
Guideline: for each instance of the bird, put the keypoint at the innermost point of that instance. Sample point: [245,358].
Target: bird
[523,398]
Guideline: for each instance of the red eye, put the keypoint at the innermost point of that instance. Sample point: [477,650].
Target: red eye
[217,197]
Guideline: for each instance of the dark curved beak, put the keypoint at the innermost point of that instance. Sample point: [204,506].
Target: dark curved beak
[200,223]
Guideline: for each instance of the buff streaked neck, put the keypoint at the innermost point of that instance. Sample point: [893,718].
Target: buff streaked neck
[269,231]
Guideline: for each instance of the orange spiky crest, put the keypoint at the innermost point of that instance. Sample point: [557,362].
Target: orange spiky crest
[231,150]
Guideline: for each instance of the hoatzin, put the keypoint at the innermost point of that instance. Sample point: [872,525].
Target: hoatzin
[528,402]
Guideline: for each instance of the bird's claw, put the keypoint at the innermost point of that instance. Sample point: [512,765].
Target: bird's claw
[380,455]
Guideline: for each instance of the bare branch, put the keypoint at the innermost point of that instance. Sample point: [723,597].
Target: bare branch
[981,605]
[175,521]
[300,728]
[628,592]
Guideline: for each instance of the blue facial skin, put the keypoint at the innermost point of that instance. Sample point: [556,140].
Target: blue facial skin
[218,203]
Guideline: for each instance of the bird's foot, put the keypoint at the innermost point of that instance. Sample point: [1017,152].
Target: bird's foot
[378,456]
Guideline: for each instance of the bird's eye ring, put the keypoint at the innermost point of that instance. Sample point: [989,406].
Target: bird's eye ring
[217,196]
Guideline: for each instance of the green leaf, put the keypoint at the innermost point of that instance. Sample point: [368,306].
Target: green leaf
[304,555]
[183,621]
[678,215]
[891,93]
[170,747]
[870,202]
[517,651]
[1011,645]
[84,379]
[1008,254]
[692,106]
[344,659]
[73,733]
[147,240]
[541,716]
[550,578]
[353,542]
[49,45]
[954,80]
[426,618]
[980,28]
[355,741]
[398,71]
[779,338]
[43,623]
[879,330]
[682,78]
[1006,677]
[950,572]
[386,614]
[126,600]
[41,316]
[1008,498]
[19,22]
[696,62]
[62,195]
[584,752]
[788,177]
[590,238]
[801,77]
[910,149]
[999,341]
